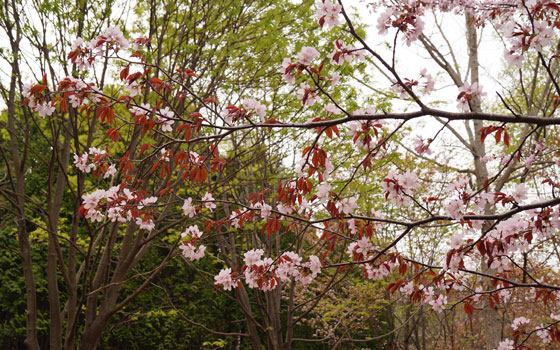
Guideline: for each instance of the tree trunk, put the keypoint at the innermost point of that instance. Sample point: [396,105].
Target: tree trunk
[17,181]
[490,315]
[243,300]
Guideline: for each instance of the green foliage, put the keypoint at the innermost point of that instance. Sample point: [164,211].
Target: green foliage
[152,322]
[12,291]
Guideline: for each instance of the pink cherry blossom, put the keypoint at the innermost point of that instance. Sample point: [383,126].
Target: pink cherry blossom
[454,209]
[91,200]
[360,249]
[520,192]
[478,294]
[519,322]
[429,83]
[456,240]
[256,106]
[165,154]
[288,266]
[307,55]
[142,109]
[544,335]
[408,288]
[284,209]
[323,192]
[191,252]
[144,224]
[399,188]
[114,34]
[111,171]
[306,95]
[266,210]
[192,232]
[334,78]
[328,13]
[506,345]
[438,303]
[348,205]
[343,53]
[288,76]
[331,108]
[314,265]
[421,147]
[467,93]
[253,256]
[188,209]
[133,89]
[45,110]
[224,279]
[81,162]
[513,59]
[164,119]
[209,201]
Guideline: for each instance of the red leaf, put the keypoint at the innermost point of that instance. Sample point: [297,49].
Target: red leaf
[498,135]
[62,105]
[37,89]
[402,268]
[211,100]
[468,308]
[73,55]
[124,73]
[154,167]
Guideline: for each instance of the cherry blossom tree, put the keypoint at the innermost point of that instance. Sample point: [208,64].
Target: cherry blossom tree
[162,169]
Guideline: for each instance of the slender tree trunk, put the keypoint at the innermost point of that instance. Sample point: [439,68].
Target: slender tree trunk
[243,300]
[490,314]
[92,334]
[423,315]
[290,321]
[59,162]
[17,181]
[406,330]
[23,238]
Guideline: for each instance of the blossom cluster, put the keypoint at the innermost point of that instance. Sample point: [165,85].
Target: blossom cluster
[524,35]
[85,54]
[428,295]
[399,188]
[189,247]
[426,82]
[95,160]
[467,93]
[251,106]
[361,130]
[407,19]
[328,13]
[76,91]
[266,274]
[345,53]
[121,205]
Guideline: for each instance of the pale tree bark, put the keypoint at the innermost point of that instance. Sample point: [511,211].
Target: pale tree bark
[492,320]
